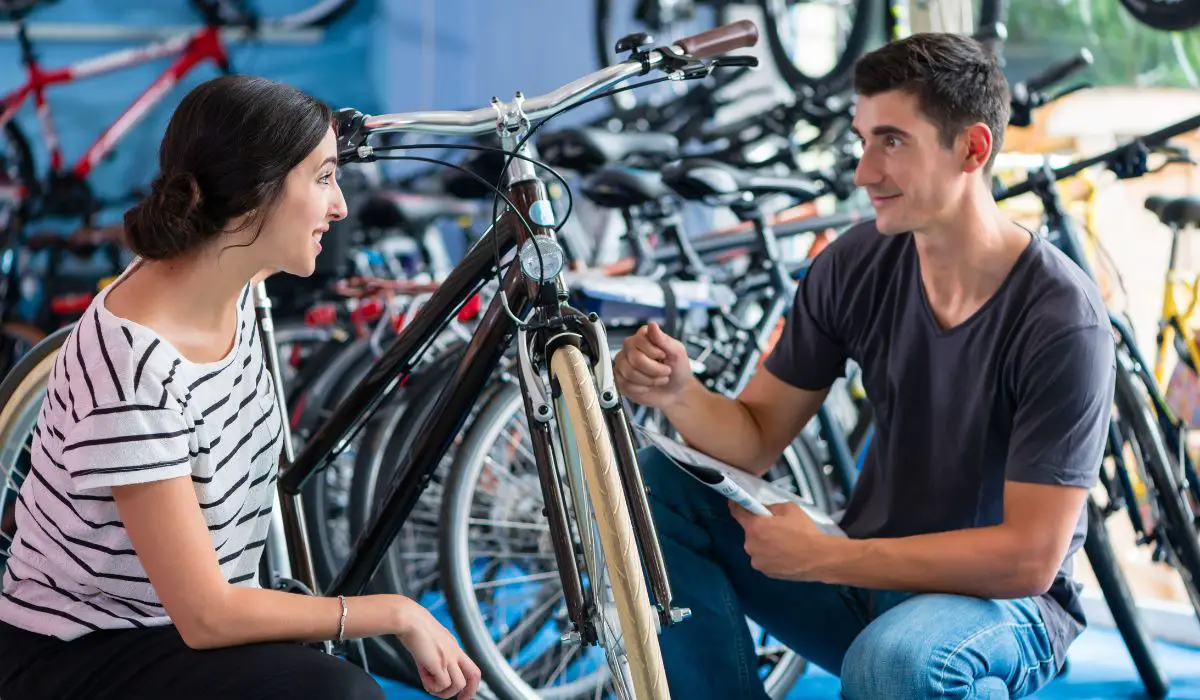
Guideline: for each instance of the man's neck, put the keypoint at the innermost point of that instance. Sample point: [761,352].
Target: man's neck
[964,261]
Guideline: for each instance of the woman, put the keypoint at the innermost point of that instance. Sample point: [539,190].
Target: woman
[142,524]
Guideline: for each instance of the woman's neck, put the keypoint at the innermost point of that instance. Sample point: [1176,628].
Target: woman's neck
[192,302]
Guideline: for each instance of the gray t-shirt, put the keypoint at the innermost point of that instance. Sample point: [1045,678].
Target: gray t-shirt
[1020,391]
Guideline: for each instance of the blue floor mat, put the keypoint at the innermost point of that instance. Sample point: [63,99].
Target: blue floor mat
[1100,670]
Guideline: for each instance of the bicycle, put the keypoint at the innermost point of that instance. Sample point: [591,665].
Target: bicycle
[554,342]
[1143,425]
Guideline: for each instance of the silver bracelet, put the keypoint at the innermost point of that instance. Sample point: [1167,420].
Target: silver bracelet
[342,624]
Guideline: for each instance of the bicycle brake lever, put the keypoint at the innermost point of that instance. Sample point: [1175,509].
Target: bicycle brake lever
[351,137]
[735,62]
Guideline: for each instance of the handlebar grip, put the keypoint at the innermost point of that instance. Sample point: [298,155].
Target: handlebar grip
[737,35]
[1059,71]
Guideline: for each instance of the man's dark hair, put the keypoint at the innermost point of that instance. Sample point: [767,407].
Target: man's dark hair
[956,81]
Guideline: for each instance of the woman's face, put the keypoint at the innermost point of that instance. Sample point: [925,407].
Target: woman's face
[291,238]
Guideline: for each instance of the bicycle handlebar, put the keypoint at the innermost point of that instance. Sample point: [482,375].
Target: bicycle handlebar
[684,54]
[714,42]
[1150,141]
[1059,71]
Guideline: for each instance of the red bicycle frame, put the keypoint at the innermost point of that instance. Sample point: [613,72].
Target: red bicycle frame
[192,49]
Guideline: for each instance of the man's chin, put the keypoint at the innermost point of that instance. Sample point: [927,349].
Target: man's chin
[890,226]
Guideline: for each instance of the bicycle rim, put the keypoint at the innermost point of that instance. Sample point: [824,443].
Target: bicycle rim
[849,24]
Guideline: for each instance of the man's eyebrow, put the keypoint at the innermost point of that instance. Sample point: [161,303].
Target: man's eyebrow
[881,130]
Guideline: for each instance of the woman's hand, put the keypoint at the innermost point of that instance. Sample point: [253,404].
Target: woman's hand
[445,669]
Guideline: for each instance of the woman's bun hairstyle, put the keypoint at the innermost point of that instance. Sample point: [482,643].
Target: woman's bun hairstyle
[227,152]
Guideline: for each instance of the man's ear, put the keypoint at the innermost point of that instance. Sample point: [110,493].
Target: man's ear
[978,140]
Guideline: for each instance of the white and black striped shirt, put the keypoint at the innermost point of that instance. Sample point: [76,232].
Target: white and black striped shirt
[123,407]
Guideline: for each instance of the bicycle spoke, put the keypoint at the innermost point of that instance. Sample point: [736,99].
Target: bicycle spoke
[532,618]
[509,524]
[516,579]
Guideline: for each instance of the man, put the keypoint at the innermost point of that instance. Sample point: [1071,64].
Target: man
[988,358]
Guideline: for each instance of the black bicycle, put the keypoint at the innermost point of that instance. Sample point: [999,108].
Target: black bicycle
[581,436]
[1147,441]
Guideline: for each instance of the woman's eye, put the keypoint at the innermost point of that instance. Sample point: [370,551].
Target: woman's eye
[325,178]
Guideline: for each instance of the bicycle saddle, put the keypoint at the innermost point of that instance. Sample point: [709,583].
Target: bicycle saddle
[618,187]
[587,150]
[1156,202]
[702,178]
[485,164]
[1181,212]
[388,210]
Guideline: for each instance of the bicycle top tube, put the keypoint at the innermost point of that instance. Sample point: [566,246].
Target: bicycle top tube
[716,41]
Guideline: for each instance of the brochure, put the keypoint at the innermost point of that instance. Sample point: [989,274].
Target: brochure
[749,491]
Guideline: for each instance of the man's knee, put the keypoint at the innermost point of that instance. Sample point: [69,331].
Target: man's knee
[893,662]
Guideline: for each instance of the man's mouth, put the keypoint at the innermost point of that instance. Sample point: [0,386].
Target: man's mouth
[878,199]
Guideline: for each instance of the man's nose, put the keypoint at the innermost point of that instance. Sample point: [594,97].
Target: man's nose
[868,171]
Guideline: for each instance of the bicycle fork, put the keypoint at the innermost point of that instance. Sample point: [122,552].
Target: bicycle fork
[589,335]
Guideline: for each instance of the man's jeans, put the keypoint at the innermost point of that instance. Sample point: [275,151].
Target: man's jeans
[884,645]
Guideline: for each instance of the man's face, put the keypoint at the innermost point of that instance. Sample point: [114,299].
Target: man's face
[911,178]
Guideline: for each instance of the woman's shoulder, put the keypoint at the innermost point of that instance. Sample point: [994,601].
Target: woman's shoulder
[107,361]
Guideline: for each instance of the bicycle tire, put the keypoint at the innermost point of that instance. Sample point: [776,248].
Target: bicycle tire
[1179,527]
[385,440]
[309,410]
[571,371]
[839,76]
[1098,548]
[31,366]
[21,396]
[1165,16]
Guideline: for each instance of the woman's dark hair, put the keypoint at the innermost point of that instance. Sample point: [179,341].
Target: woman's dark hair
[228,149]
[956,81]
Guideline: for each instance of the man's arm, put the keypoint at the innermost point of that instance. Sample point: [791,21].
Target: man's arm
[1018,558]
[750,431]
[1060,427]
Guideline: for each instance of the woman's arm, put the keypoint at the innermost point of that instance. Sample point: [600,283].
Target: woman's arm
[170,536]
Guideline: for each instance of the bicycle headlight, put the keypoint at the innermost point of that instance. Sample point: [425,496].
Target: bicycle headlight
[542,258]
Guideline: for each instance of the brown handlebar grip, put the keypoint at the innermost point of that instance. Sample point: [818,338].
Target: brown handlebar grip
[738,35]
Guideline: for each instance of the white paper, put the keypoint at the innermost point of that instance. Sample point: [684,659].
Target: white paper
[741,487]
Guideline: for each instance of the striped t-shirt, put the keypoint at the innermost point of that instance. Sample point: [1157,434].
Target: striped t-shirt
[123,407]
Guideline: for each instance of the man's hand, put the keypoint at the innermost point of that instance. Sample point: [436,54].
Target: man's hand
[787,546]
[652,368]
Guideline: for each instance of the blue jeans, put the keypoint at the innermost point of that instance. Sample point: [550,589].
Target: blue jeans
[885,645]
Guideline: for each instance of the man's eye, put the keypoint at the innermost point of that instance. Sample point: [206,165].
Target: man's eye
[892,142]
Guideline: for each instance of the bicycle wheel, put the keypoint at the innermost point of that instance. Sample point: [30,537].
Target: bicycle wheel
[1103,561]
[21,395]
[1165,15]
[797,57]
[410,566]
[1176,527]
[18,179]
